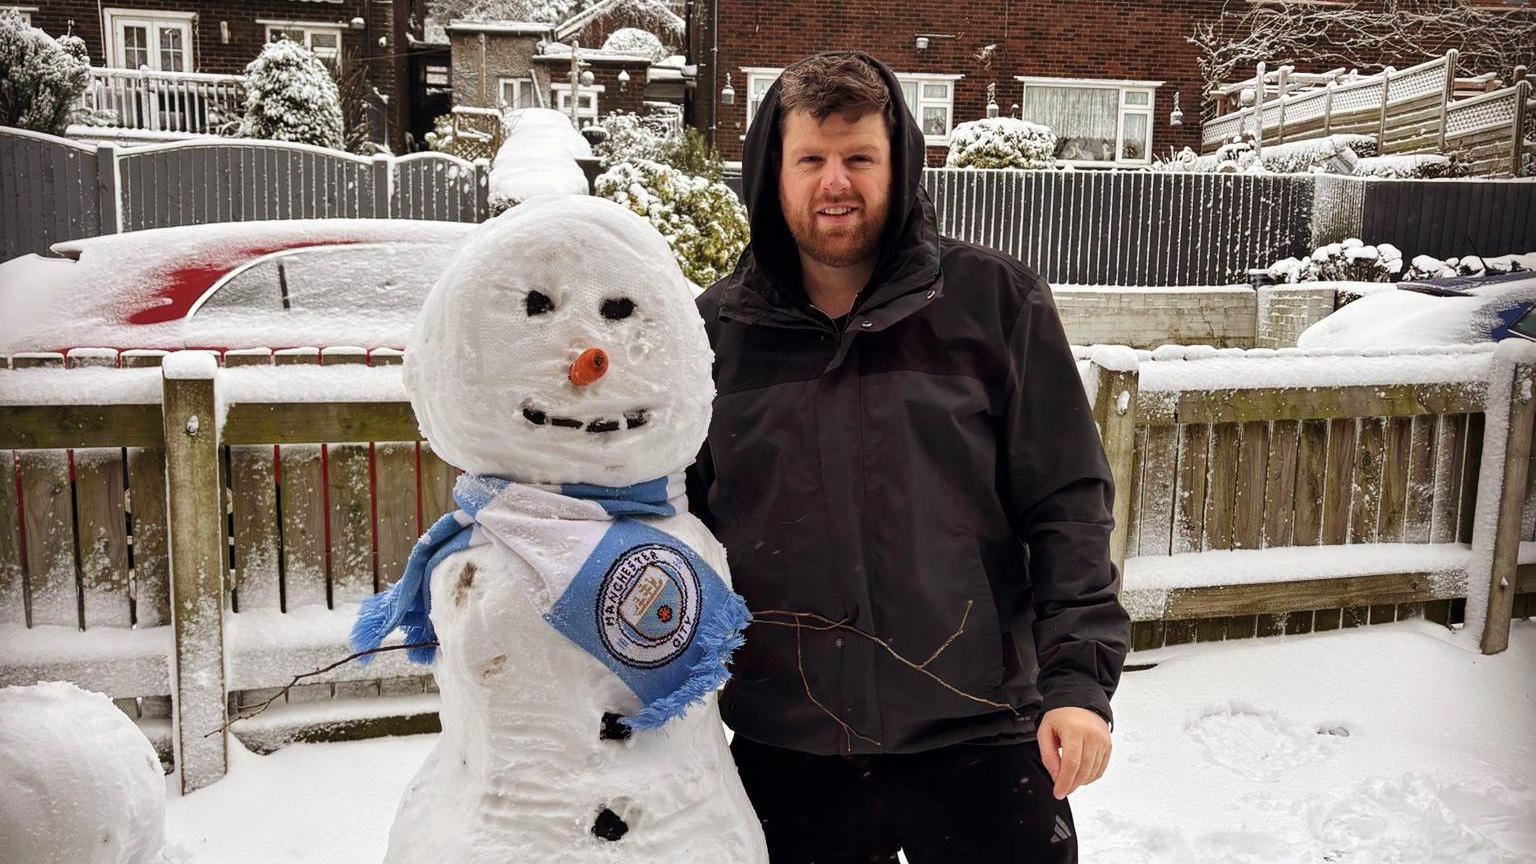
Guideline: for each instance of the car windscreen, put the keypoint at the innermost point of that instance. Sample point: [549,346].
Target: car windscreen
[364,278]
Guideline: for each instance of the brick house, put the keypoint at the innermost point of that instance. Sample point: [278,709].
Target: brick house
[1104,74]
[222,36]
[516,64]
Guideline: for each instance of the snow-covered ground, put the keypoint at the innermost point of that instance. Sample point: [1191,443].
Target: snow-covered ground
[1393,743]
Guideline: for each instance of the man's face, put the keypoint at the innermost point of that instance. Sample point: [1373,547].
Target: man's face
[835,185]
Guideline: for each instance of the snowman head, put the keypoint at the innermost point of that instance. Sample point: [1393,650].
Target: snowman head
[562,345]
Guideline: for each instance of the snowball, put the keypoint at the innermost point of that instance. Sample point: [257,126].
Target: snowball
[80,783]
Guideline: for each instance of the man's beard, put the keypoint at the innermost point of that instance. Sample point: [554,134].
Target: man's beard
[844,245]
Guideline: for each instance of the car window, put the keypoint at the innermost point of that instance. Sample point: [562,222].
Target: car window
[371,277]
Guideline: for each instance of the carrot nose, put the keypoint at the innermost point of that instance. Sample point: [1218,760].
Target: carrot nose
[589,367]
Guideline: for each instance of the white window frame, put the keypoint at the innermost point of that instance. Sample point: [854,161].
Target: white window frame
[586,115]
[309,29]
[24,11]
[947,103]
[1124,87]
[153,20]
[518,84]
[768,75]
[765,74]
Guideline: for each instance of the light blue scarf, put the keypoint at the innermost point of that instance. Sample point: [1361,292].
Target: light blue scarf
[641,601]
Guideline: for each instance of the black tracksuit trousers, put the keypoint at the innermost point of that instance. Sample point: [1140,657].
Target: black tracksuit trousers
[965,804]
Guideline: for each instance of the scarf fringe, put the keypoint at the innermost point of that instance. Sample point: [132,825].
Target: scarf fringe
[719,635]
[375,621]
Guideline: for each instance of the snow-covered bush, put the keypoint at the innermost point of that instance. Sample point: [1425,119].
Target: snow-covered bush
[703,221]
[1336,154]
[42,79]
[290,96]
[1001,142]
[630,137]
[1428,267]
[637,42]
[1410,166]
[1349,261]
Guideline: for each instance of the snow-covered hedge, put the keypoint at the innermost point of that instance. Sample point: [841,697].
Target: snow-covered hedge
[1353,260]
[290,96]
[1001,142]
[1415,165]
[42,79]
[1349,261]
[640,43]
[703,221]
[630,137]
[1336,154]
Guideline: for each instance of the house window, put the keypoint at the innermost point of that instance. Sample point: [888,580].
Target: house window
[586,103]
[324,41]
[517,93]
[24,11]
[931,99]
[161,42]
[758,82]
[1103,122]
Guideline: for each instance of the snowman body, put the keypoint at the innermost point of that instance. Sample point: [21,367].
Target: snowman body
[531,765]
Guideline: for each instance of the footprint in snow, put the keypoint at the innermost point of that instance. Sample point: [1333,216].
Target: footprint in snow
[1261,745]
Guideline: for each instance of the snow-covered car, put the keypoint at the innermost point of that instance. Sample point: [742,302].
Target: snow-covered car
[276,284]
[1458,310]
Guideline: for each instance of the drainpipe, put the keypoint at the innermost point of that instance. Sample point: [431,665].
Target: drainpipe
[714,74]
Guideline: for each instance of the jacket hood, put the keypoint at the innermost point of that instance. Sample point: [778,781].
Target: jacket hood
[909,243]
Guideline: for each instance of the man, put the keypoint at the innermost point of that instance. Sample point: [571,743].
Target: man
[906,475]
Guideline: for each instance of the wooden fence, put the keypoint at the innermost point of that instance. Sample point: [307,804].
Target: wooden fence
[1410,111]
[199,534]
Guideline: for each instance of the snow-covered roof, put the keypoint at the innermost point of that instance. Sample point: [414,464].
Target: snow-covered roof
[516,28]
[558,51]
[654,8]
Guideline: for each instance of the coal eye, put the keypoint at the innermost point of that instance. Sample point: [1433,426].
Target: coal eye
[538,303]
[619,309]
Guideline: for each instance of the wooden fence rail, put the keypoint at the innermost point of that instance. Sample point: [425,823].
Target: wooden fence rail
[189,536]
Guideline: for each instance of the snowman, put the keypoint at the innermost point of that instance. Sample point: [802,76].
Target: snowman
[583,617]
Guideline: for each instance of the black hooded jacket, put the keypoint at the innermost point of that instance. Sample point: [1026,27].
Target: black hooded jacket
[930,468]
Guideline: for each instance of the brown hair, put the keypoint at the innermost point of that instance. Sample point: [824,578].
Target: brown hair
[841,83]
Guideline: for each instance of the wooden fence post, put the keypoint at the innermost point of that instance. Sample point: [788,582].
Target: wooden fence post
[1522,96]
[1502,475]
[1450,92]
[1328,108]
[482,189]
[1114,410]
[1285,80]
[1386,98]
[109,200]
[383,186]
[196,516]
[1258,110]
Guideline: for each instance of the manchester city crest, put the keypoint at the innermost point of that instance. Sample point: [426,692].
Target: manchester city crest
[648,606]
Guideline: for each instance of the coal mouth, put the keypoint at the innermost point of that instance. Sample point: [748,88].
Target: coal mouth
[597,426]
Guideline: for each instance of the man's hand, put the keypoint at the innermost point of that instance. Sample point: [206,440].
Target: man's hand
[1082,737]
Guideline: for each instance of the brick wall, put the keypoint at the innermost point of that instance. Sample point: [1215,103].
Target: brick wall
[1149,317]
[1286,310]
[1101,39]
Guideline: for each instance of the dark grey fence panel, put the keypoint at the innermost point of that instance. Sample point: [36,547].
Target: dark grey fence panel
[439,186]
[1446,218]
[1128,228]
[48,192]
[164,185]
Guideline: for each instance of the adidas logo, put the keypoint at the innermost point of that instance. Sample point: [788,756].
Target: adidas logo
[1061,833]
